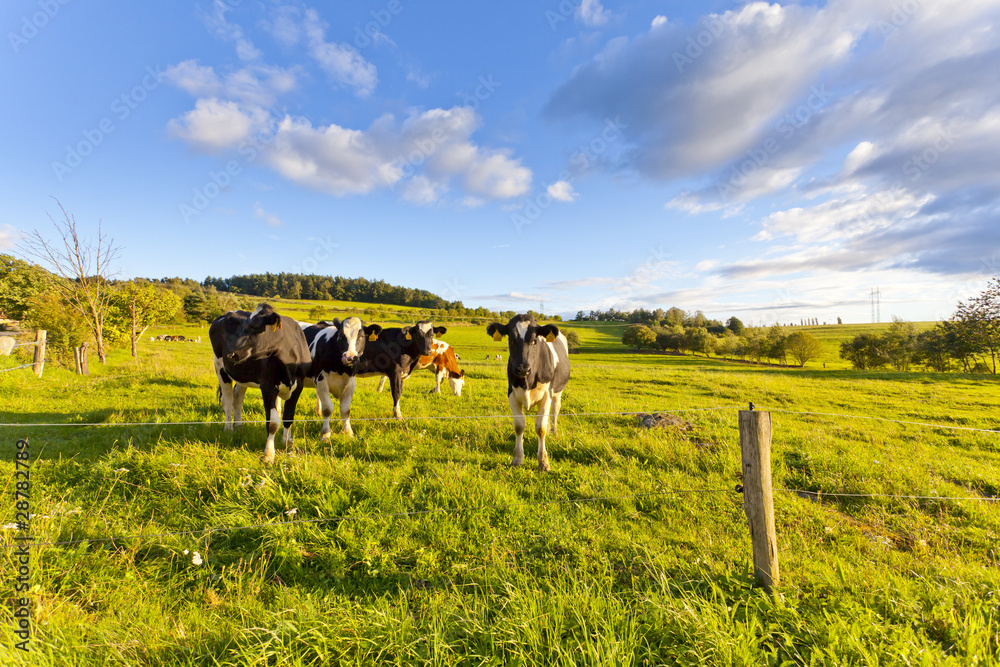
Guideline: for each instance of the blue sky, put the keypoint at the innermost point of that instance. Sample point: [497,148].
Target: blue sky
[770,161]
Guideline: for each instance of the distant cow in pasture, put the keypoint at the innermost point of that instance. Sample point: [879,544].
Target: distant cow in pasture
[537,374]
[264,350]
[396,353]
[336,347]
[498,357]
[443,362]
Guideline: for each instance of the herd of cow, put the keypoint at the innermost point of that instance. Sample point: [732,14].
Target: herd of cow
[281,357]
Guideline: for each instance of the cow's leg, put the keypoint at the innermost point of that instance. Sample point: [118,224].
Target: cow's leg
[225,393]
[239,393]
[439,376]
[345,406]
[518,411]
[396,386]
[288,414]
[556,404]
[326,405]
[270,396]
[381,383]
[541,430]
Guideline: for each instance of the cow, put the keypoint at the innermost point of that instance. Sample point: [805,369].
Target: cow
[443,362]
[335,348]
[537,374]
[396,353]
[499,357]
[260,349]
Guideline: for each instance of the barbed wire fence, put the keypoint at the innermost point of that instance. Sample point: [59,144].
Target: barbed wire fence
[158,537]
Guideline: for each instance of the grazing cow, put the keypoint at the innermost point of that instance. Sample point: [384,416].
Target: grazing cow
[336,348]
[499,357]
[443,362]
[395,354]
[537,374]
[487,357]
[260,349]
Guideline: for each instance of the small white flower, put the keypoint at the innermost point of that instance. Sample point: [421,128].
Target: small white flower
[123,470]
[196,558]
[186,552]
[10,526]
[38,516]
[293,511]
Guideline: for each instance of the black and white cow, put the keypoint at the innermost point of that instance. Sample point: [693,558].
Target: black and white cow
[395,355]
[537,374]
[263,350]
[336,347]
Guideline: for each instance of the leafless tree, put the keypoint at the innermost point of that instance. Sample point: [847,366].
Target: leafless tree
[85,266]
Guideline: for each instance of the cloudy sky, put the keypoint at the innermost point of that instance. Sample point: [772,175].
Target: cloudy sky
[770,161]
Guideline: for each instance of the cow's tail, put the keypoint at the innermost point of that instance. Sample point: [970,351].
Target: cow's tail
[218,394]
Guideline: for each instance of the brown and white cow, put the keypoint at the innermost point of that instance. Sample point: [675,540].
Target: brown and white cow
[443,362]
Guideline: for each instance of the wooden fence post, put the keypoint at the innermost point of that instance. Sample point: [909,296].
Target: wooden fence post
[76,361]
[84,364]
[39,361]
[758,503]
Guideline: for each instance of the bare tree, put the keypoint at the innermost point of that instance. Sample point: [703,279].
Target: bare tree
[84,265]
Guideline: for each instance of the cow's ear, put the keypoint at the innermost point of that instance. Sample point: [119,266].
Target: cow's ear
[406,333]
[497,330]
[272,322]
[373,331]
[550,331]
[440,331]
[335,322]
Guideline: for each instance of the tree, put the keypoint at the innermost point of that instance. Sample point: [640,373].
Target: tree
[64,325]
[864,351]
[981,319]
[572,340]
[933,349]
[803,346]
[638,336]
[734,325]
[900,343]
[137,305]
[699,340]
[196,306]
[19,282]
[775,344]
[85,267]
[317,313]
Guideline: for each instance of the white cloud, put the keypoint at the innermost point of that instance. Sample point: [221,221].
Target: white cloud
[341,61]
[258,85]
[214,125]
[271,220]
[658,21]
[9,236]
[421,190]
[590,13]
[217,21]
[562,191]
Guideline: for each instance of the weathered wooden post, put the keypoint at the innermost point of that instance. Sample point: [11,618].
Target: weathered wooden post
[76,361]
[39,361]
[84,364]
[758,502]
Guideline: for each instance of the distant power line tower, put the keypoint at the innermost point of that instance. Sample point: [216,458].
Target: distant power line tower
[876,299]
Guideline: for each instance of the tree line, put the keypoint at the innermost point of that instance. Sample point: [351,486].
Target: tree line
[968,342]
[756,344]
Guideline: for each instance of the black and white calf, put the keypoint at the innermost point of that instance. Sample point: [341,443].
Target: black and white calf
[263,350]
[395,355]
[336,347]
[537,373]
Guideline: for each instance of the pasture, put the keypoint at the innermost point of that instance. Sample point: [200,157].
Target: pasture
[416,543]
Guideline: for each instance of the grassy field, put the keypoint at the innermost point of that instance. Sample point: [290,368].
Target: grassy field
[415,543]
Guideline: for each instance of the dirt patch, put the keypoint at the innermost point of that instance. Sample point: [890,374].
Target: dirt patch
[663,420]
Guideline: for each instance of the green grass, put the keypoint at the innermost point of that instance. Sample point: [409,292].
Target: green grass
[652,573]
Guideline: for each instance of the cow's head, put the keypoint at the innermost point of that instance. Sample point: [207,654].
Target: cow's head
[422,333]
[457,381]
[256,334]
[526,341]
[354,335]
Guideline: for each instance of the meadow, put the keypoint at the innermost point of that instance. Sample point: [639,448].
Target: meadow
[415,543]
